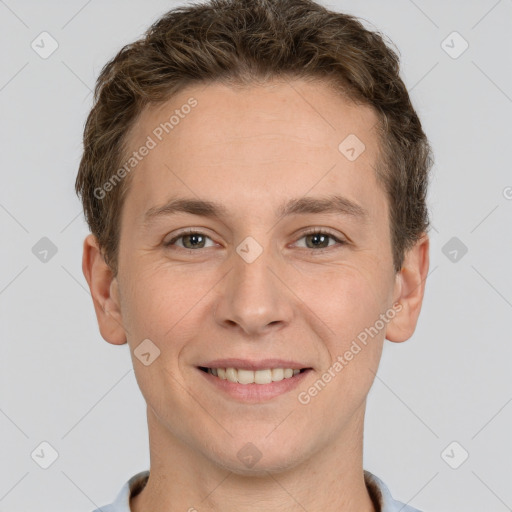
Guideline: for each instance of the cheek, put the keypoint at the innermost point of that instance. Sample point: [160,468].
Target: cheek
[159,306]
[348,299]
[354,298]
[161,303]
[348,303]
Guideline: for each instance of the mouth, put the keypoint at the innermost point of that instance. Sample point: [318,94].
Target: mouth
[255,382]
[259,377]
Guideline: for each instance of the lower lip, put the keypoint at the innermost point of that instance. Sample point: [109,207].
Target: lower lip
[255,393]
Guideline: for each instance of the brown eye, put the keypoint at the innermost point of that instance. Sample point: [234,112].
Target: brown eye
[190,240]
[320,240]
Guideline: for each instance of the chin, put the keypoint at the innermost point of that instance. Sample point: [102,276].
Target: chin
[274,465]
[246,458]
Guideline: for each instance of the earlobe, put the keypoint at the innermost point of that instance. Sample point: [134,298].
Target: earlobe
[104,292]
[409,291]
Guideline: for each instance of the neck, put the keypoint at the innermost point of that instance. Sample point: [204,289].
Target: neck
[181,479]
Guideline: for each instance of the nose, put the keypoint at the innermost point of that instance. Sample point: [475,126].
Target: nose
[253,298]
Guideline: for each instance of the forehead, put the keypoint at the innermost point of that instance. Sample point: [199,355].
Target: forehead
[254,143]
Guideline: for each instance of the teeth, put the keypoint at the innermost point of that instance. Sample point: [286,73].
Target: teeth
[263,376]
[231,375]
[253,377]
[277,374]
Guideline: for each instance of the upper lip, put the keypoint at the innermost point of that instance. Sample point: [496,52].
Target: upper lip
[247,364]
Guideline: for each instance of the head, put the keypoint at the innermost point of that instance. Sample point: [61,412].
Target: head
[247,124]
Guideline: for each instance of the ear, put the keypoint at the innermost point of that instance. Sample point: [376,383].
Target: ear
[104,292]
[409,290]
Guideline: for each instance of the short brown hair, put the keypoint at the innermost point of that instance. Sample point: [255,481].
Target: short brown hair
[241,42]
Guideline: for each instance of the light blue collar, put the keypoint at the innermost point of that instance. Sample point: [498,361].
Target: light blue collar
[376,487]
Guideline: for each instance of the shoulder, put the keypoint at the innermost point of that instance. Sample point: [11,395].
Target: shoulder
[382,496]
[122,501]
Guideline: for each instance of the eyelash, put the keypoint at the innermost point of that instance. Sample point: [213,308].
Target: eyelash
[311,231]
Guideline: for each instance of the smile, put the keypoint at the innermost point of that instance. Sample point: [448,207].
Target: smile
[253,386]
[242,376]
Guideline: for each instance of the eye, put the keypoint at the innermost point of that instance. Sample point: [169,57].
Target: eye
[319,239]
[190,240]
[315,239]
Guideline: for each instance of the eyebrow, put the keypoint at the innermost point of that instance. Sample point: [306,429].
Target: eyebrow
[304,205]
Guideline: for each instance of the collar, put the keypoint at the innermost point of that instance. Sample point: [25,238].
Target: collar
[378,491]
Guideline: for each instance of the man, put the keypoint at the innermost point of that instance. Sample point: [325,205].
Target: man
[254,177]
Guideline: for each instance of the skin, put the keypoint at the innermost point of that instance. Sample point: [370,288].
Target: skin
[253,149]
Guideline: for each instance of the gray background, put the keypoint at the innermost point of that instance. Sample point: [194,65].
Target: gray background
[61,383]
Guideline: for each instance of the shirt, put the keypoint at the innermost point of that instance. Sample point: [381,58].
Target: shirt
[378,491]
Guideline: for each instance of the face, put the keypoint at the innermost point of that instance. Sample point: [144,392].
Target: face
[287,270]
